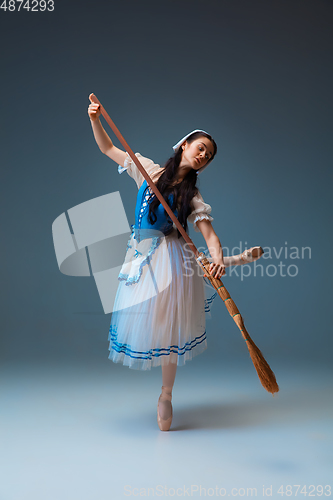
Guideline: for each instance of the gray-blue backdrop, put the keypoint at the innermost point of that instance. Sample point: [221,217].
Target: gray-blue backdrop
[257,75]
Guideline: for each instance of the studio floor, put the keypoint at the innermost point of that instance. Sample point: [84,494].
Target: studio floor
[89,432]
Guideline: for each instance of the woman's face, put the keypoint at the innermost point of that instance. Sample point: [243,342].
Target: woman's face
[197,153]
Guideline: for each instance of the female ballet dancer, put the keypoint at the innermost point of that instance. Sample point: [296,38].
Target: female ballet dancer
[159,311]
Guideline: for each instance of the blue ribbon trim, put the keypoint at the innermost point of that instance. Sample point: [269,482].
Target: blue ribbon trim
[209,301]
[124,348]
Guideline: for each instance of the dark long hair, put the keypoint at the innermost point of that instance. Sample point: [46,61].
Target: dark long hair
[185,190]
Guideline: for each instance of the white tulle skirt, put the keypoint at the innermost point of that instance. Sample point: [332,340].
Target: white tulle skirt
[159,313]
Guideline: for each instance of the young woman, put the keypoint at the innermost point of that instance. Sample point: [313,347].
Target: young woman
[159,310]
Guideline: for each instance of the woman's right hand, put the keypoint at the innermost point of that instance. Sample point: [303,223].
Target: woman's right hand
[218,269]
[93,111]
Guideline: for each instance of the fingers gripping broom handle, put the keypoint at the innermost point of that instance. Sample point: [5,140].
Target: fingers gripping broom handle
[265,374]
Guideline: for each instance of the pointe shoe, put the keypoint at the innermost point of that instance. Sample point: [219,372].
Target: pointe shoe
[164,425]
[254,253]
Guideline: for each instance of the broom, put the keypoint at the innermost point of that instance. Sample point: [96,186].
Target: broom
[265,374]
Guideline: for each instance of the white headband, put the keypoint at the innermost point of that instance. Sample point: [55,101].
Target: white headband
[179,143]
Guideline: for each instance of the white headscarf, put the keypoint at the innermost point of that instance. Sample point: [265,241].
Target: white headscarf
[179,143]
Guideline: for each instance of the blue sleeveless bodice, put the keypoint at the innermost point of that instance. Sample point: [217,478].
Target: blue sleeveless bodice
[163,222]
[145,238]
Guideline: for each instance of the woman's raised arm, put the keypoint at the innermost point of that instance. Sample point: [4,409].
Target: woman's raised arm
[103,140]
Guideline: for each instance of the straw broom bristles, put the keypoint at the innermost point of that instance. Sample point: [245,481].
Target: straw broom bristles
[265,374]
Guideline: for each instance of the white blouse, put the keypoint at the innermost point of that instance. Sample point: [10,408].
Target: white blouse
[200,209]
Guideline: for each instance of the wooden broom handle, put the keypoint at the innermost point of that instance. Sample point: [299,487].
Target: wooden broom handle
[146,176]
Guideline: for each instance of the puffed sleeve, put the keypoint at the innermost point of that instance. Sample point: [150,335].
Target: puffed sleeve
[200,211]
[150,167]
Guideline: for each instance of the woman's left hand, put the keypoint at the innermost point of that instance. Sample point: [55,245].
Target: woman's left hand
[216,270]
